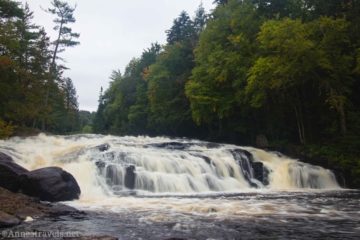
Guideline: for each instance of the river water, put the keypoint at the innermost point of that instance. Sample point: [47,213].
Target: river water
[161,188]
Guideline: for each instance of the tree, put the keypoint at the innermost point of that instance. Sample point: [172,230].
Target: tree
[335,63]
[223,56]
[65,37]
[220,2]
[200,19]
[181,30]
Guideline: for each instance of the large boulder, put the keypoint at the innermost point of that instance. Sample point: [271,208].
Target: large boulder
[130,176]
[50,184]
[10,173]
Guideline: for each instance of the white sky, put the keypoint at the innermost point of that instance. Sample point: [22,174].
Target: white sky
[112,32]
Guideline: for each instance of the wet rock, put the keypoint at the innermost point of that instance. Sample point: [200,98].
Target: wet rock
[61,209]
[171,145]
[206,159]
[260,172]
[244,159]
[212,145]
[7,220]
[50,184]
[5,158]
[250,168]
[130,176]
[10,173]
[100,164]
[103,147]
[25,212]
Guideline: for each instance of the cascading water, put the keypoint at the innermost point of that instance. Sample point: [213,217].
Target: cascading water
[161,188]
[114,165]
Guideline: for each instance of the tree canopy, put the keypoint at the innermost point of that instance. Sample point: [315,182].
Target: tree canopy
[284,69]
[34,93]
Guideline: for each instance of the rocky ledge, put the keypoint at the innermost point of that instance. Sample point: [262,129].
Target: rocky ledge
[17,208]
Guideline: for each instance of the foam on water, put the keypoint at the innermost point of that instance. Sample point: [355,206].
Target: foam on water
[164,166]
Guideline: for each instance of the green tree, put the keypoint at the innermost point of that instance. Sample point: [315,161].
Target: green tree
[182,29]
[64,14]
[224,54]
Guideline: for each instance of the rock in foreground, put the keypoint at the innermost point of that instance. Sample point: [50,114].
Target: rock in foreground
[50,184]
[16,207]
[10,173]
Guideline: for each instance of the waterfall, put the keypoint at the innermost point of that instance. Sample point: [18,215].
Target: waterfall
[106,165]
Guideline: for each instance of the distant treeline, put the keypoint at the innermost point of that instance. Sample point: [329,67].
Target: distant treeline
[285,70]
[34,94]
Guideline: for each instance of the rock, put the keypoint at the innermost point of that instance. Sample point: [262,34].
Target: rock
[130,176]
[61,209]
[5,158]
[26,212]
[171,145]
[24,208]
[100,164]
[260,172]
[250,168]
[50,184]
[103,147]
[7,220]
[10,173]
[261,141]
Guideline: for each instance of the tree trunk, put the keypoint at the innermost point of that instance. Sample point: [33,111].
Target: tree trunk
[300,125]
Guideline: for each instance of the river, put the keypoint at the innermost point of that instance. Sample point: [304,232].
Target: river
[161,188]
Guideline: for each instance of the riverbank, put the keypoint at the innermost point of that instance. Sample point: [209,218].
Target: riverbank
[17,208]
[19,211]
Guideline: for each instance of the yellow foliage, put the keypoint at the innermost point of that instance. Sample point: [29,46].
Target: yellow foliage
[6,129]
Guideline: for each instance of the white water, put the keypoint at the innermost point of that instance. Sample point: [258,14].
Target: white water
[198,168]
[190,189]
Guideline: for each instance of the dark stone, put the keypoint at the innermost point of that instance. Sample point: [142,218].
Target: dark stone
[130,176]
[206,159]
[100,164]
[5,158]
[10,173]
[250,168]
[25,212]
[213,145]
[244,159]
[260,172]
[171,145]
[61,209]
[103,147]
[7,220]
[50,184]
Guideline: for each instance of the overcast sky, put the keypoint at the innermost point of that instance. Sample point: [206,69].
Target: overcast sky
[112,32]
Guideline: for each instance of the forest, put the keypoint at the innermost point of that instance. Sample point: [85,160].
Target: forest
[277,74]
[34,92]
